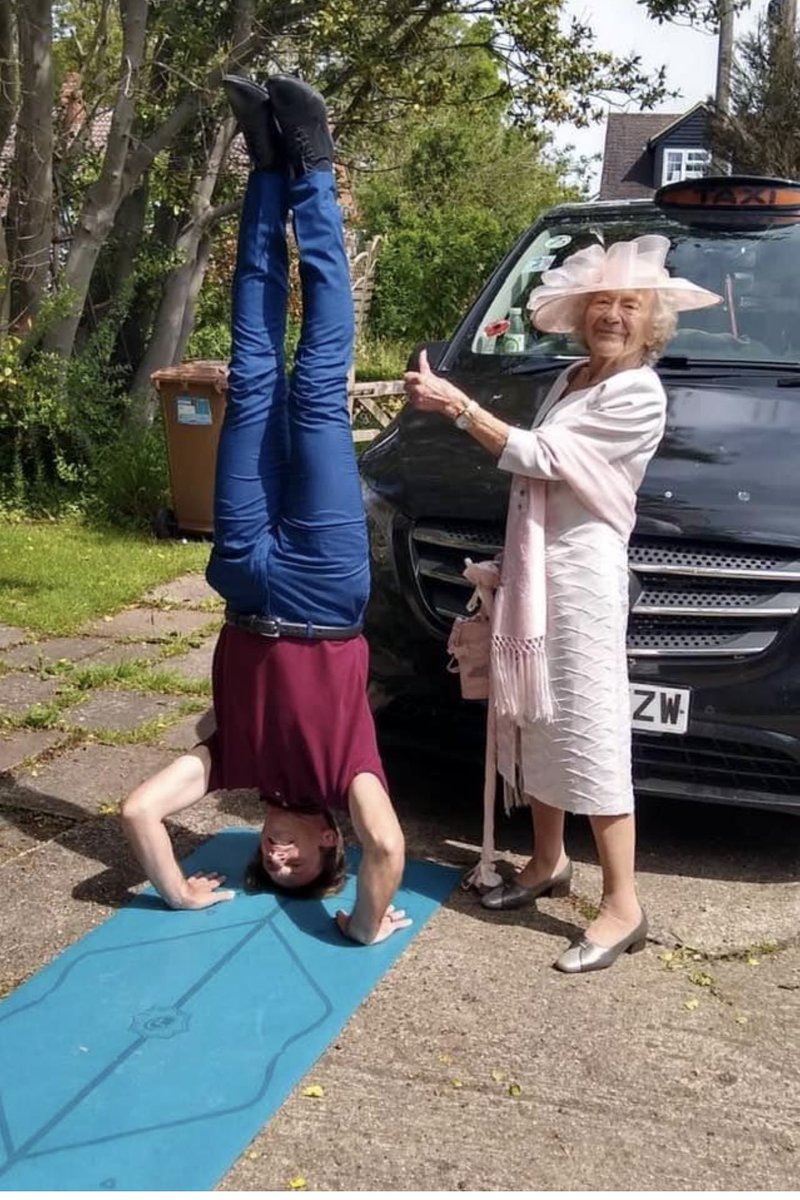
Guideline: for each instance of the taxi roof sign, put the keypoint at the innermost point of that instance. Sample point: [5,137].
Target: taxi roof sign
[732,201]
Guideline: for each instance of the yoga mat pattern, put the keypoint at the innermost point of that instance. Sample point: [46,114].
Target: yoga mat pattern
[147,1055]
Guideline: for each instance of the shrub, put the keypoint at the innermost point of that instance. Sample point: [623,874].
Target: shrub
[130,478]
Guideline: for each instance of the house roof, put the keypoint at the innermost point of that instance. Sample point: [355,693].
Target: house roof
[627,168]
[656,137]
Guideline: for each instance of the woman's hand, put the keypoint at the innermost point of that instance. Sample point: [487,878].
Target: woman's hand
[430,393]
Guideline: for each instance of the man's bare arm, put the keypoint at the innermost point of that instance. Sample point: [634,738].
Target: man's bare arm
[180,784]
[383,857]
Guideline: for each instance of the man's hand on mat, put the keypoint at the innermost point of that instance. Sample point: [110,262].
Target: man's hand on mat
[202,890]
[393,919]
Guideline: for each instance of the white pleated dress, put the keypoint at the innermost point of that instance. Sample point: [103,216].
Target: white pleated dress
[581,761]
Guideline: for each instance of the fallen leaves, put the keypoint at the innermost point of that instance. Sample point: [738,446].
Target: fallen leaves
[297,1183]
[314,1091]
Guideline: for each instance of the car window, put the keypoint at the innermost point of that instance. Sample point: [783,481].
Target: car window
[756,272]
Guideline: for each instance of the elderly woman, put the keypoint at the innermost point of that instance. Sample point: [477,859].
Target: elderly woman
[560,719]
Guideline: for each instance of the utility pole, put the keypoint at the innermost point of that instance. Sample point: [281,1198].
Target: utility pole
[722,97]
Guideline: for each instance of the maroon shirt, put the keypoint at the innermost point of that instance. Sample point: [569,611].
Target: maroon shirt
[292,717]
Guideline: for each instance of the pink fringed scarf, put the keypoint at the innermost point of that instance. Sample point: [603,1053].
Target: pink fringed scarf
[520,682]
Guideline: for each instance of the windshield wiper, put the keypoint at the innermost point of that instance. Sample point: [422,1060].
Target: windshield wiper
[681,362]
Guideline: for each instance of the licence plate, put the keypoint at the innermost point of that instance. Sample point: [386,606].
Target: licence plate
[659,709]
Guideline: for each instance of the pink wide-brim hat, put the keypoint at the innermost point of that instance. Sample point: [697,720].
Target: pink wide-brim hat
[557,306]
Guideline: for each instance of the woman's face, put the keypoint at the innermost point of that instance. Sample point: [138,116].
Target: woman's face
[617,325]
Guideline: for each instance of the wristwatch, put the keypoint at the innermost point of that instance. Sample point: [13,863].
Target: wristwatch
[466,416]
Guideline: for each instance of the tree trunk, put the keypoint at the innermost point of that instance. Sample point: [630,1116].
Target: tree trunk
[8,108]
[106,194]
[30,205]
[8,73]
[181,286]
[195,284]
[123,165]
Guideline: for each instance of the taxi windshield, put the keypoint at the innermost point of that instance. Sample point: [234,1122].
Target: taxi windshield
[757,273]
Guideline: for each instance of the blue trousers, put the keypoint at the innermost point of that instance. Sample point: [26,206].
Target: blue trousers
[290,538]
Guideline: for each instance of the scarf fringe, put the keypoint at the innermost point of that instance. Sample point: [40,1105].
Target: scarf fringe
[520,679]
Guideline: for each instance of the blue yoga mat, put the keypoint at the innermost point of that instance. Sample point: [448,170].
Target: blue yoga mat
[148,1055]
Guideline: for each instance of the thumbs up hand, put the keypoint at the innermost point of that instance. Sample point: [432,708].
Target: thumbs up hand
[428,392]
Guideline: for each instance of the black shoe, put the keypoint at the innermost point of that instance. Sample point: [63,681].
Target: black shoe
[300,115]
[252,108]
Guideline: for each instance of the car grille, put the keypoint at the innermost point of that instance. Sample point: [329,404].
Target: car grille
[714,765]
[697,600]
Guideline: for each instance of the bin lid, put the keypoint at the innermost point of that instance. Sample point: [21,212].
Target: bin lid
[213,372]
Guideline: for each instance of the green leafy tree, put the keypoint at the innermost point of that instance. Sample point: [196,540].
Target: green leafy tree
[450,194]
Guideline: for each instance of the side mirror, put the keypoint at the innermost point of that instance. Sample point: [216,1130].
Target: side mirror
[435,350]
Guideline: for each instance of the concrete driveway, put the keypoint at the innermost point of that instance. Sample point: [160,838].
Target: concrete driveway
[474,1065]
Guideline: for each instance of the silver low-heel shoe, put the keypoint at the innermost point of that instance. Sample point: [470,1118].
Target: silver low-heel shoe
[515,895]
[584,955]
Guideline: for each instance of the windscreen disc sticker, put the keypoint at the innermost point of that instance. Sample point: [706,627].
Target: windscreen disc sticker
[558,242]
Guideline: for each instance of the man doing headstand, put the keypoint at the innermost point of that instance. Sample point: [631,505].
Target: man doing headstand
[290,555]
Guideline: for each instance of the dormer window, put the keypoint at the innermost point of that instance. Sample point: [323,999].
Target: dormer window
[684,164]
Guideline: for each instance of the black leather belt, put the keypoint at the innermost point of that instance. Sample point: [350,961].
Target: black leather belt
[274,627]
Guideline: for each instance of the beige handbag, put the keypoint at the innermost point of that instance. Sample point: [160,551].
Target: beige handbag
[468,647]
[470,638]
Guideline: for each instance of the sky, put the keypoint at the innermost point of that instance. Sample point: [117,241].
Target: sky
[690,56]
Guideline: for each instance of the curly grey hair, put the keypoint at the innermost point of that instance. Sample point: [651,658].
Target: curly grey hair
[663,323]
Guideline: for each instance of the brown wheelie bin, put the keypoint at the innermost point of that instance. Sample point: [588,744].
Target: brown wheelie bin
[193,397]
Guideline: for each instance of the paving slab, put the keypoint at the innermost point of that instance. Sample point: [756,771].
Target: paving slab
[34,654]
[188,732]
[63,888]
[20,691]
[190,591]
[149,624]
[120,710]
[10,635]
[22,831]
[194,666]
[81,781]
[27,743]
[125,652]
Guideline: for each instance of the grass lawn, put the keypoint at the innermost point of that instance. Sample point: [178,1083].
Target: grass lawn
[55,576]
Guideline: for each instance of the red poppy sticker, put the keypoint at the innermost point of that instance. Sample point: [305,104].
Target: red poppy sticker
[496,328]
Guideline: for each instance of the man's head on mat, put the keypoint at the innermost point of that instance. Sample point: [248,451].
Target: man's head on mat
[301,851]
